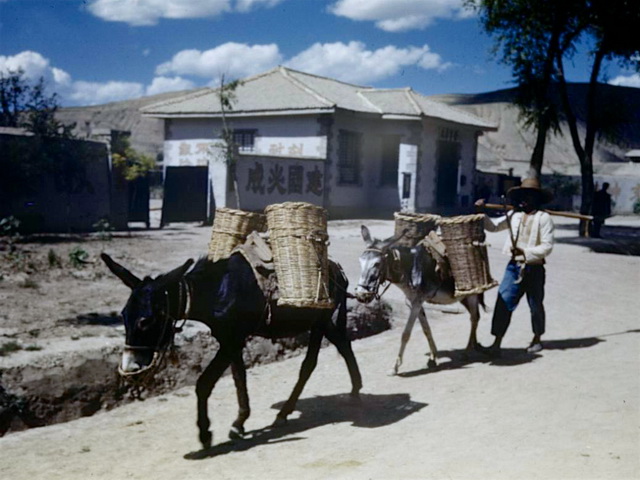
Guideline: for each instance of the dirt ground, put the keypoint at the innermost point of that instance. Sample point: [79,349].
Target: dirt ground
[571,411]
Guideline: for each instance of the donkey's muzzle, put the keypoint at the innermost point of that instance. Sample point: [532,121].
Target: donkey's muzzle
[364,296]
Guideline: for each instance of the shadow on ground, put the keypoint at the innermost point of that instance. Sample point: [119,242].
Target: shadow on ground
[457,359]
[372,411]
[618,240]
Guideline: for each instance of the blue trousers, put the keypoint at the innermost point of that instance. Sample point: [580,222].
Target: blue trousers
[510,293]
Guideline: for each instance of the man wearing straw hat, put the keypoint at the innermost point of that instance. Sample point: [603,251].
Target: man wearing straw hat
[530,241]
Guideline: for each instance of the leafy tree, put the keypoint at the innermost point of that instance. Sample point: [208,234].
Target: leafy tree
[536,37]
[530,35]
[25,105]
[129,161]
[609,24]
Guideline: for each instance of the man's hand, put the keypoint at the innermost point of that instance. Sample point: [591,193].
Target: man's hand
[480,203]
[517,253]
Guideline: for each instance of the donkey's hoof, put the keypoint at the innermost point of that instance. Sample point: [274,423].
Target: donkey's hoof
[206,438]
[279,422]
[432,363]
[237,433]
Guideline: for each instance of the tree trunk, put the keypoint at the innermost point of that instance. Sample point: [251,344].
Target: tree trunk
[589,142]
[543,102]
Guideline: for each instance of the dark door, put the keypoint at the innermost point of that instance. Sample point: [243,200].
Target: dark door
[139,200]
[447,156]
[185,194]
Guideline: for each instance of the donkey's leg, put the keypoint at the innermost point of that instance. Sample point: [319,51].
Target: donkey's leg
[204,386]
[433,350]
[472,304]
[406,334]
[308,365]
[339,338]
[244,410]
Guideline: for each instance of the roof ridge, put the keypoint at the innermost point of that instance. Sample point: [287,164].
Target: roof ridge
[303,86]
[460,111]
[334,80]
[364,97]
[180,98]
[408,91]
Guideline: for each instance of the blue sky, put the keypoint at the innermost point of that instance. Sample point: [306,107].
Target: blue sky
[97,51]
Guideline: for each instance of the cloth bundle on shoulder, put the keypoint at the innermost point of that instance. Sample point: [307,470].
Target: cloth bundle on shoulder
[299,241]
[231,228]
[467,253]
[416,225]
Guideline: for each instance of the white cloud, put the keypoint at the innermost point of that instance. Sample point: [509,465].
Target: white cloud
[248,5]
[149,12]
[94,93]
[632,80]
[32,63]
[166,84]
[400,15]
[353,63]
[231,59]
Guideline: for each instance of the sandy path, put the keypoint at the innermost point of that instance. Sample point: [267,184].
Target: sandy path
[571,412]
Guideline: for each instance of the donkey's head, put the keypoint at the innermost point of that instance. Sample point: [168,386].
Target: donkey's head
[150,314]
[373,264]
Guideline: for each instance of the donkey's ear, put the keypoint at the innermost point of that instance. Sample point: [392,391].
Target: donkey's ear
[128,278]
[366,235]
[174,275]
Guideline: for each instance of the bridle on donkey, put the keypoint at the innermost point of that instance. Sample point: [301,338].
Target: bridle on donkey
[386,270]
[141,378]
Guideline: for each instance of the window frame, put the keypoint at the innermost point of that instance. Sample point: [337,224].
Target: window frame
[349,157]
[244,146]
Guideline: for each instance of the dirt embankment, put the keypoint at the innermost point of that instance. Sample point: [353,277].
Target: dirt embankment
[61,337]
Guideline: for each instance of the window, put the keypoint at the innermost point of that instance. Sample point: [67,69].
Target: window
[244,139]
[349,146]
[389,166]
[296,178]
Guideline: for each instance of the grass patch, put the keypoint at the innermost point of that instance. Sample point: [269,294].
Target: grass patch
[9,348]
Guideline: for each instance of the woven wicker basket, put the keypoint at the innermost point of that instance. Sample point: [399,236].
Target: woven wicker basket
[464,238]
[299,240]
[418,226]
[230,229]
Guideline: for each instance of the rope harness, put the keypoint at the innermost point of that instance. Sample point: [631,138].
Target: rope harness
[140,379]
[386,273]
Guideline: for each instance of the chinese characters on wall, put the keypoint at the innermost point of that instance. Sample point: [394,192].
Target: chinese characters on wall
[283,180]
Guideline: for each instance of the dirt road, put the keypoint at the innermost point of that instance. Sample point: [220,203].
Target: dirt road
[572,411]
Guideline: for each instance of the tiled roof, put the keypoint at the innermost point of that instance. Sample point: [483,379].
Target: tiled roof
[283,89]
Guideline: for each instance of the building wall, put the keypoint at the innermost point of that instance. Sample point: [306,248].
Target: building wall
[285,146]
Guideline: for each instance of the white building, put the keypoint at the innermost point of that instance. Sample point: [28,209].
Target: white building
[354,150]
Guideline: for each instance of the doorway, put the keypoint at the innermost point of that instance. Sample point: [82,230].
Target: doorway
[447,159]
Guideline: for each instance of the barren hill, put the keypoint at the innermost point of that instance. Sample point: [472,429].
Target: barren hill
[147,134]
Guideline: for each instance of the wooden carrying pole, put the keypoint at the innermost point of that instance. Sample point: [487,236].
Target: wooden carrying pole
[495,206]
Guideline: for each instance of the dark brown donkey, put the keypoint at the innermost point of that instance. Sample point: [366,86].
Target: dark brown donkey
[225,296]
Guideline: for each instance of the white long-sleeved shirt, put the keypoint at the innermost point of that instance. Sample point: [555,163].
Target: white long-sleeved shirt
[534,233]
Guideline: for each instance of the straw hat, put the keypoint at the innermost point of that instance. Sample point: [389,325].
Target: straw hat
[530,185]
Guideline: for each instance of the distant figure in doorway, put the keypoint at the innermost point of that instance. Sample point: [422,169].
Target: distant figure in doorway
[601,209]
[530,242]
